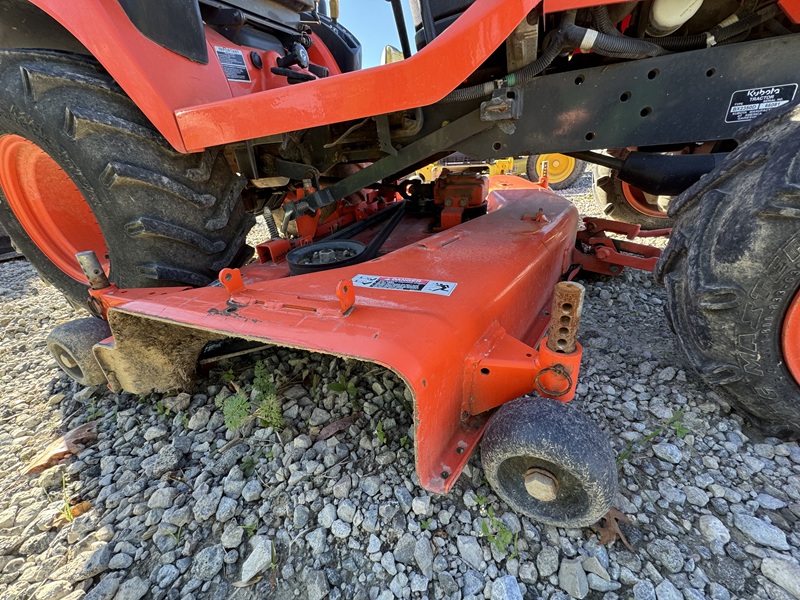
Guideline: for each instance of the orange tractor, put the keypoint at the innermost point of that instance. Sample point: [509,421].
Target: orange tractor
[139,140]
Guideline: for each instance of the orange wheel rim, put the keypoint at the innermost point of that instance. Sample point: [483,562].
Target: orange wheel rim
[49,206]
[791,338]
[638,201]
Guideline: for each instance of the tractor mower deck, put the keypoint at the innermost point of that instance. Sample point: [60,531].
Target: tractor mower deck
[457,314]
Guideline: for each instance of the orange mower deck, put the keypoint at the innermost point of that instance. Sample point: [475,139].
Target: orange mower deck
[457,314]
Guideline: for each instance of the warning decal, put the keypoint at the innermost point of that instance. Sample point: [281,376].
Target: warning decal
[746,105]
[405,284]
[233,64]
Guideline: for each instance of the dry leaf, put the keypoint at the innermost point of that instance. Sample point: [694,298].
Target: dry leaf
[81,508]
[609,531]
[339,425]
[242,584]
[63,446]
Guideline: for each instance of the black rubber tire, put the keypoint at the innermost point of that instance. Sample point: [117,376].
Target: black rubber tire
[568,182]
[168,218]
[609,198]
[534,432]
[71,346]
[731,271]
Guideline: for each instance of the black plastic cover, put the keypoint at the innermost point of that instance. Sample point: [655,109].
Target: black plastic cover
[172,24]
[344,46]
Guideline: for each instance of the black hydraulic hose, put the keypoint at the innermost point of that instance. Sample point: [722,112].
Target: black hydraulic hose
[603,22]
[718,35]
[570,35]
[599,159]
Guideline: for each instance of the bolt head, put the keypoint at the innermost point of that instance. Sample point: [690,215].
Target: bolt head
[541,484]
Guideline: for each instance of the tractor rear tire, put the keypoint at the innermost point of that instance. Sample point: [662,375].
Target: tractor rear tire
[81,168]
[623,202]
[563,171]
[732,273]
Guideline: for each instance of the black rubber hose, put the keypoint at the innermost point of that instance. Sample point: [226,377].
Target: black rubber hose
[603,22]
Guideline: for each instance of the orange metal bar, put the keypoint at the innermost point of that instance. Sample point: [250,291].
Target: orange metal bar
[417,81]
[435,342]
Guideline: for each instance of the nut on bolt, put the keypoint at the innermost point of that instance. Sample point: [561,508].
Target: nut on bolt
[541,484]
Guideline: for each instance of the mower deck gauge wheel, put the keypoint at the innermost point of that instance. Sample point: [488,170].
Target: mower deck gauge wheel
[549,462]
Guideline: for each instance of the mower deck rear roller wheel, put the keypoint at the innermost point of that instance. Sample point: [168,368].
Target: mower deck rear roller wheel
[81,168]
[732,273]
[71,346]
[549,462]
[562,171]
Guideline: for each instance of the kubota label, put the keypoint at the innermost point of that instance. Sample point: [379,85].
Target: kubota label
[405,284]
[746,105]
[232,61]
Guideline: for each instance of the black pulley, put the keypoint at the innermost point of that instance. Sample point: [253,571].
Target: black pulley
[324,255]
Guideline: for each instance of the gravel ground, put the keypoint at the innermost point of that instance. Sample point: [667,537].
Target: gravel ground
[180,507]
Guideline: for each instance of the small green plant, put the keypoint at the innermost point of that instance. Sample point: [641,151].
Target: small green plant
[161,409]
[185,420]
[177,535]
[425,524]
[404,442]
[681,430]
[380,433]
[250,529]
[498,534]
[481,500]
[250,461]
[93,411]
[66,508]
[675,422]
[268,409]
[314,386]
[228,376]
[235,409]
[342,384]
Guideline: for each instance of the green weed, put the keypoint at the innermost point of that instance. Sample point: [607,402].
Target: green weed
[380,433]
[498,534]
[235,409]
[342,384]
[675,422]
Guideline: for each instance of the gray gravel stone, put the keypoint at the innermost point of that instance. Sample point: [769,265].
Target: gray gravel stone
[317,540]
[208,562]
[668,452]
[341,529]
[162,498]
[252,491]
[713,529]
[572,578]
[300,516]
[761,532]
[784,573]
[232,536]
[506,588]
[599,584]
[666,591]
[259,559]
[206,505]
[132,589]
[644,590]
[470,550]
[423,556]
[317,586]
[527,573]
[473,582]
[327,516]
[667,554]
[404,550]
[547,561]
[167,575]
